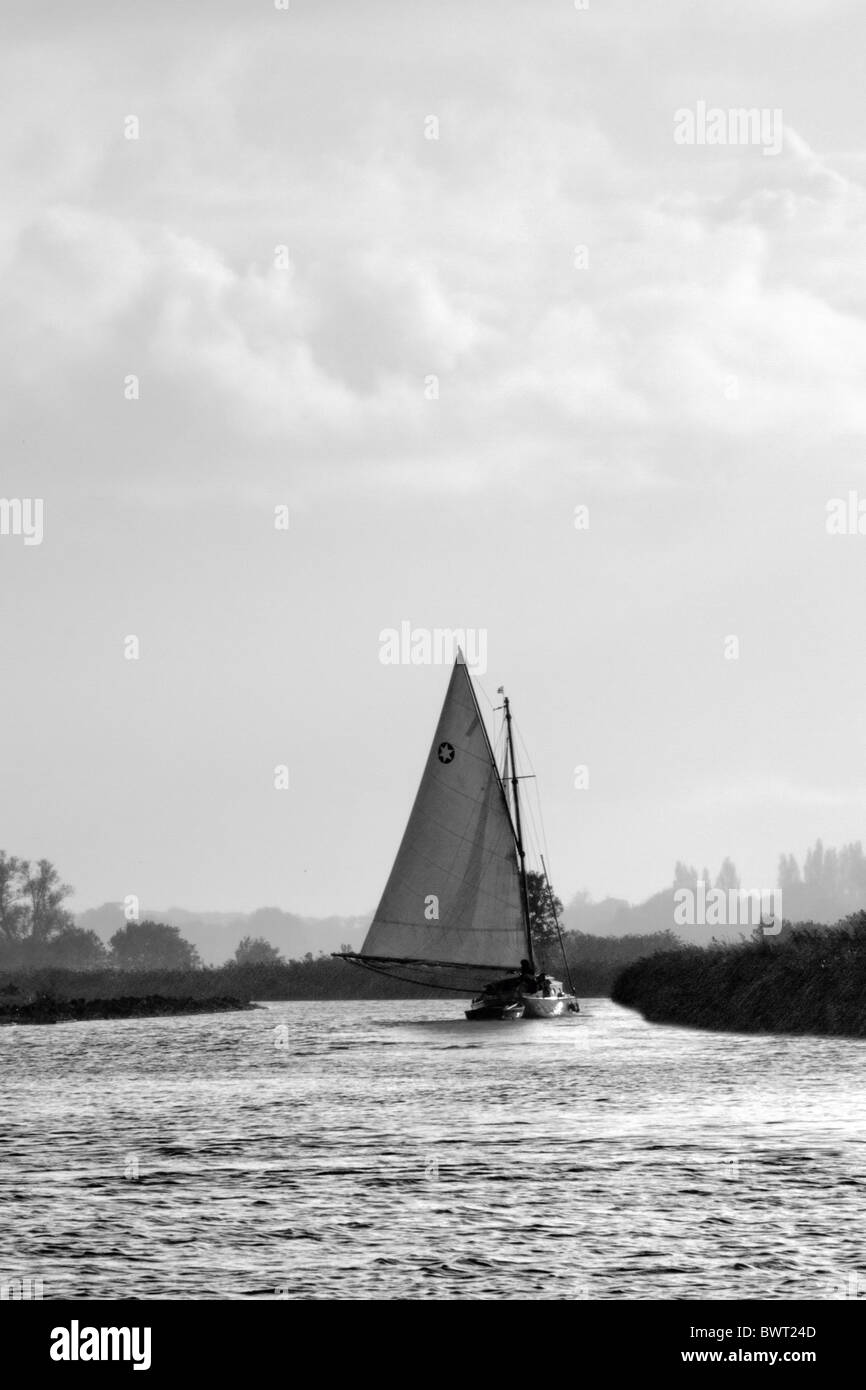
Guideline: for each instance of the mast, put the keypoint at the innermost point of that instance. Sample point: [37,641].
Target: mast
[524,893]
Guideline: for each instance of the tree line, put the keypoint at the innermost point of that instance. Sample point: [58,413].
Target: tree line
[833,876]
[42,950]
[37,930]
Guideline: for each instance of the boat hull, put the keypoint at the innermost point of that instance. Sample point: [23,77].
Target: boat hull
[539,1006]
[485,1007]
[489,1012]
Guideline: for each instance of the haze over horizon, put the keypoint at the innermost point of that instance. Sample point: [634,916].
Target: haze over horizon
[671,336]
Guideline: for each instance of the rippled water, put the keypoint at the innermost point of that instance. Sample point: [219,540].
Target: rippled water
[393,1150]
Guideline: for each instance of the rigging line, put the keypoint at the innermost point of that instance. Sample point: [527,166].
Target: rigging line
[545,860]
[407,980]
[530,802]
[552,901]
[493,709]
[541,839]
[543,836]
[532,836]
[476,682]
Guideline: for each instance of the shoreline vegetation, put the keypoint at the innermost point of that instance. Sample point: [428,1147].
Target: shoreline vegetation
[56,994]
[45,953]
[809,979]
[49,1009]
[52,969]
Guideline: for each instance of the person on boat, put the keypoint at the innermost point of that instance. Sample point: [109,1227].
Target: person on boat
[528,982]
[497,987]
[524,983]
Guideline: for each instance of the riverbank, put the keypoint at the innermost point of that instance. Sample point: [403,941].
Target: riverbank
[809,979]
[50,1010]
[594,962]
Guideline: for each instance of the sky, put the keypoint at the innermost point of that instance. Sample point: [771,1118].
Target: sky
[432,277]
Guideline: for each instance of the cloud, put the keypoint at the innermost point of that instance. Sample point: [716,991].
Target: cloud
[723,313]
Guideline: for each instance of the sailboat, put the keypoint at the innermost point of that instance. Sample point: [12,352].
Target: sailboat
[455,910]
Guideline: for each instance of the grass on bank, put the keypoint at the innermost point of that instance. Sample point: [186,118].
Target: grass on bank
[808,979]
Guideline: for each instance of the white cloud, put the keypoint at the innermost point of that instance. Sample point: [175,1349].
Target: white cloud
[721,317]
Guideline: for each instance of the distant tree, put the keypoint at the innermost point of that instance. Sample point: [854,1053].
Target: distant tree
[852,868]
[813,865]
[75,948]
[789,872]
[727,877]
[32,908]
[152,946]
[832,882]
[13,907]
[830,875]
[542,919]
[46,892]
[254,950]
[685,875]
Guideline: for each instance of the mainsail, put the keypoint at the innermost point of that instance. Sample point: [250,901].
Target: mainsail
[453,899]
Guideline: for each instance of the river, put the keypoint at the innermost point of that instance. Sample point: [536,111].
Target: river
[393,1150]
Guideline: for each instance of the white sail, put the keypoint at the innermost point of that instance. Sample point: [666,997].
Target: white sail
[453,896]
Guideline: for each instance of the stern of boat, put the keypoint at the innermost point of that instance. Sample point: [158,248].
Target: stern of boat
[540,1006]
